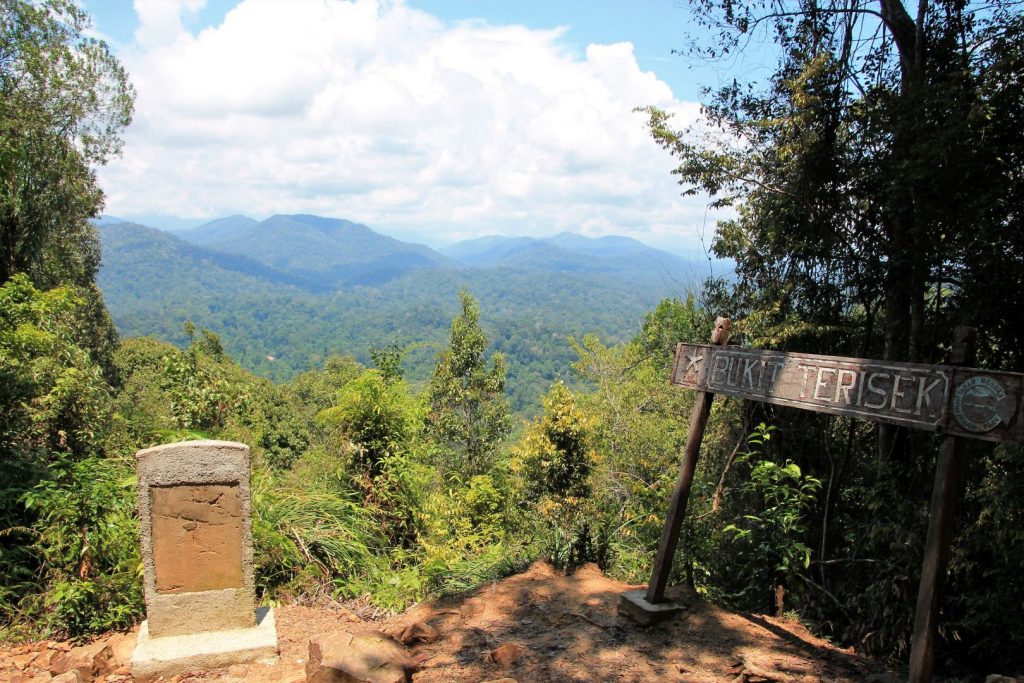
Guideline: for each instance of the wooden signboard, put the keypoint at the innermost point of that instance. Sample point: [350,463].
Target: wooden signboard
[954,400]
[978,404]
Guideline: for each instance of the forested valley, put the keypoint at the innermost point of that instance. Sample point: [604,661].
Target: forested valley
[876,194]
[288,292]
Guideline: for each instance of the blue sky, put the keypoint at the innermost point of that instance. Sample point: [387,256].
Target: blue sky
[427,119]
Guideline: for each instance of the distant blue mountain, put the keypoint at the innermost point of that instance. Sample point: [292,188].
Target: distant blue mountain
[328,253]
[484,251]
[610,245]
[288,291]
[569,252]
[325,254]
[219,230]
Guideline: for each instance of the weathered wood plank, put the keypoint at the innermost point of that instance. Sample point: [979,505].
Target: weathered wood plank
[978,404]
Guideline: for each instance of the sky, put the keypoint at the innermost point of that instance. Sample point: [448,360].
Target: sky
[428,120]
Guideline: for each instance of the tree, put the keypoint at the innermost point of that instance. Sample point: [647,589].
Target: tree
[377,416]
[380,423]
[64,100]
[68,529]
[874,175]
[469,416]
[861,167]
[554,460]
[555,455]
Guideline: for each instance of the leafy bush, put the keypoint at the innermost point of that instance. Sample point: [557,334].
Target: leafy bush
[87,541]
[554,460]
[769,539]
[68,538]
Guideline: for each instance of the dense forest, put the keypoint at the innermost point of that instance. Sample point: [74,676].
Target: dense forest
[875,178]
[282,307]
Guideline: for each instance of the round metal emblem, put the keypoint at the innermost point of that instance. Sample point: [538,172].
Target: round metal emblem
[977,403]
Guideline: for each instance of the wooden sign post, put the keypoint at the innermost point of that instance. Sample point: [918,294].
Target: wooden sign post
[945,494]
[681,494]
[951,399]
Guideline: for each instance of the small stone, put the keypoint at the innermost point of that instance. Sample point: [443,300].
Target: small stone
[44,659]
[120,644]
[501,680]
[998,678]
[89,660]
[419,632]
[279,672]
[363,656]
[122,649]
[23,660]
[238,671]
[73,676]
[508,654]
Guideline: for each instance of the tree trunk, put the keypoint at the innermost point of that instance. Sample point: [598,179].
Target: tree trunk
[903,286]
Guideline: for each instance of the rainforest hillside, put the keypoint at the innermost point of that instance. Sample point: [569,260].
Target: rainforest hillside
[287,292]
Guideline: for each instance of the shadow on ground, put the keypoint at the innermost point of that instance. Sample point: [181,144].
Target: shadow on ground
[544,626]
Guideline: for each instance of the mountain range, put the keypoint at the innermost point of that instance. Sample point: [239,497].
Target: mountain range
[286,292]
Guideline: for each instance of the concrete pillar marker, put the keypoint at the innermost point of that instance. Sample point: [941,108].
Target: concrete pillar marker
[195,520]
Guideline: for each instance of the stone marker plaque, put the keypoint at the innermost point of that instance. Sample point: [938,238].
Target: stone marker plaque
[197,538]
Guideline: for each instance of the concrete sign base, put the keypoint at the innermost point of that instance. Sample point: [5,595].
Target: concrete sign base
[170,655]
[634,605]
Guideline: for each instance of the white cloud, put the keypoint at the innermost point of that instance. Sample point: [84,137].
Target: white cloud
[383,114]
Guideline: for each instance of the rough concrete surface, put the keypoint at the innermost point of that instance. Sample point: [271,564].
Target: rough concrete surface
[170,655]
[634,605]
[183,613]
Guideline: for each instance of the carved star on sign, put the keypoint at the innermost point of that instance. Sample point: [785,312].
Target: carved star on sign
[693,361]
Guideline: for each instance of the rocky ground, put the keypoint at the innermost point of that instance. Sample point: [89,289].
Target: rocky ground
[534,627]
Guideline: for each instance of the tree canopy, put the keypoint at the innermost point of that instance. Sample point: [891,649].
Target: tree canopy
[873,174]
[64,102]
[872,171]
[469,413]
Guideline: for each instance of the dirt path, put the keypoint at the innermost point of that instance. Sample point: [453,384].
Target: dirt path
[545,626]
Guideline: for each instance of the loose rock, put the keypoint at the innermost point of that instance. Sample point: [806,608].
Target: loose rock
[363,656]
[89,660]
[44,659]
[23,660]
[419,632]
[508,654]
[73,676]
[239,671]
